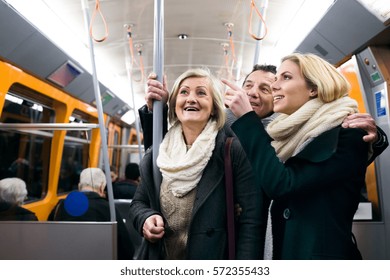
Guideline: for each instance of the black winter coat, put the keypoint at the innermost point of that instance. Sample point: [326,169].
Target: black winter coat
[315,192]
[9,212]
[207,238]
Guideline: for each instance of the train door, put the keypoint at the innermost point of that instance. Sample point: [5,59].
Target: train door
[373,231]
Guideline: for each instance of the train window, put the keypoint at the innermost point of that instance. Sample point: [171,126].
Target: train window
[133,137]
[25,154]
[114,131]
[75,155]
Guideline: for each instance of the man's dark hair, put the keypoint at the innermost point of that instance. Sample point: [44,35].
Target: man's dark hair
[132,171]
[261,67]
[265,68]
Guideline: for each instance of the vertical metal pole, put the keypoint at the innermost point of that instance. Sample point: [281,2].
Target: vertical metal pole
[136,120]
[158,65]
[99,106]
[259,32]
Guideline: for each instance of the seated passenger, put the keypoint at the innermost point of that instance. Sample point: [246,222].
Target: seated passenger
[114,174]
[13,192]
[126,188]
[92,184]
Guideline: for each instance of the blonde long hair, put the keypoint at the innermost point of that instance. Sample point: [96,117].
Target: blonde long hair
[321,75]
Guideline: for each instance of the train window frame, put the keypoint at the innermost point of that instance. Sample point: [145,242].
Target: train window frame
[32,151]
[70,167]
[21,91]
[116,153]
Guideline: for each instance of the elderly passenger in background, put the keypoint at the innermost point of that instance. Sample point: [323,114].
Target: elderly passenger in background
[92,184]
[125,189]
[13,192]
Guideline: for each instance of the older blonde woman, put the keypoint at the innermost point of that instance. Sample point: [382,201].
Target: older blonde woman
[317,167]
[186,219]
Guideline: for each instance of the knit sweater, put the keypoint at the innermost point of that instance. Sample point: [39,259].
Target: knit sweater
[177,211]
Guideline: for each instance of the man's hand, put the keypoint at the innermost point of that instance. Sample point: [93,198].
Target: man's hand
[155,91]
[365,122]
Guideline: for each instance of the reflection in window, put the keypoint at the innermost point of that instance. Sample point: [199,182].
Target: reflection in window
[72,164]
[26,154]
[74,156]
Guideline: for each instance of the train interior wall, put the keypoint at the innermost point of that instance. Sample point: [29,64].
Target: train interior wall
[368,72]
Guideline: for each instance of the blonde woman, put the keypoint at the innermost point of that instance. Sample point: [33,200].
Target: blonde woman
[318,168]
[186,218]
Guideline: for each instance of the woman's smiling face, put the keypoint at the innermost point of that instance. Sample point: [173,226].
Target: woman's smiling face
[290,90]
[194,103]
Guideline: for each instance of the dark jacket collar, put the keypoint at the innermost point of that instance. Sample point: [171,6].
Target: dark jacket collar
[322,147]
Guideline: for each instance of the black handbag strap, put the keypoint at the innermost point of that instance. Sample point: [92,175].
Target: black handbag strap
[229,200]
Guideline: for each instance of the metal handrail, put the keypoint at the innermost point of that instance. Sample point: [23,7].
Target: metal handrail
[99,106]
[49,126]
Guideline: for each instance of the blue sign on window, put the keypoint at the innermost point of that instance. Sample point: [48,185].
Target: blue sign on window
[380,104]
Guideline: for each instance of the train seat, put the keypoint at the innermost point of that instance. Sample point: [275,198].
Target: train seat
[123,206]
[22,240]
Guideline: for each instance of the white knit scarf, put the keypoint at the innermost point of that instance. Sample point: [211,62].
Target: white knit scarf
[291,133]
[183,169]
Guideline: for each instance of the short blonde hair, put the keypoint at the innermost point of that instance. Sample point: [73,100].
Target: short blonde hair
[13,190]
[321,75]
[215,88]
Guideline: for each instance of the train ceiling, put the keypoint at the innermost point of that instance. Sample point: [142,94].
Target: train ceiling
[217,35]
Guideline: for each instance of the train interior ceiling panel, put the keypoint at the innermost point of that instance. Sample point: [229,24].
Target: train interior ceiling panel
[50,122]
